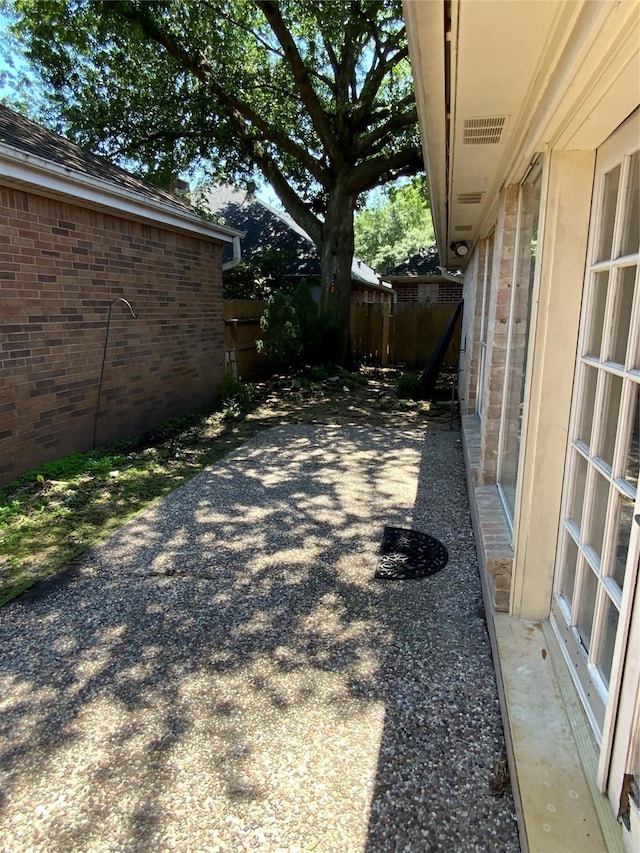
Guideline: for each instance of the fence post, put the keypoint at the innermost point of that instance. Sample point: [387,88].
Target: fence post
[386,318]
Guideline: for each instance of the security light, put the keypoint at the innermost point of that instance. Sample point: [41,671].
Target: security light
[460,249]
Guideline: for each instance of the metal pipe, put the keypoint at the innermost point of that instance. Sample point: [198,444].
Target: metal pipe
[104,358]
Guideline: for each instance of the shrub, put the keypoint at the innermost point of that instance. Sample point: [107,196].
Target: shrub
[234,396]
[407,384]
[282,342]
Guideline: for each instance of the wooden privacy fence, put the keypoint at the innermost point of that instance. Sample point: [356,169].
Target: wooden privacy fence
[403,334]
[241,331]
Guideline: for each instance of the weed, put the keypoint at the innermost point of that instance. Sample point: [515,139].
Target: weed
[407,384]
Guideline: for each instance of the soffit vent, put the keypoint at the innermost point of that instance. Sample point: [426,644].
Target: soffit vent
[463,227]
[483,130]
[470,198]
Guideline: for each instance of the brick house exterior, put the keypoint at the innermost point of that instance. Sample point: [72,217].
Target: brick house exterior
[420,279]
[533,162]
[76,233]
[266,229]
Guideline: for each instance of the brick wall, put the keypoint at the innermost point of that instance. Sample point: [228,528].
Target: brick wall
[449,291]
[60,266]
[471,321]
[498,332]
[414,291]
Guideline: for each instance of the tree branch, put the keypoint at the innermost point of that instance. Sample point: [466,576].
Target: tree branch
[239,113]
[380,69]
[395,123]
[321,124]
[377,170]
[292,202]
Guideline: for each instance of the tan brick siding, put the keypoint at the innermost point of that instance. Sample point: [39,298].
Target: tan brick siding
[471,323]
[60,267]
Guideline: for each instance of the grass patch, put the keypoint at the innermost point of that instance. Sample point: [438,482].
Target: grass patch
[52,514]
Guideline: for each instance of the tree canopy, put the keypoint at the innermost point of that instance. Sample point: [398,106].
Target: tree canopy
[315,96]
[398,226]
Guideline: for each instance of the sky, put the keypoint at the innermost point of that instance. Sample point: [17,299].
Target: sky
[12,60]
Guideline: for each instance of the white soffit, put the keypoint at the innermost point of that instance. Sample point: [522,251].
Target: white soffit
[425,24]
[496,52]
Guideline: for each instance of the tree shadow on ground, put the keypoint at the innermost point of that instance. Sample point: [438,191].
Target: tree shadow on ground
[224,672]
[171,678]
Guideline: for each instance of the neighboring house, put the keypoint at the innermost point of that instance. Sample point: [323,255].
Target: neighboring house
[420,279]
[267,229]
[77,233]
[529,114]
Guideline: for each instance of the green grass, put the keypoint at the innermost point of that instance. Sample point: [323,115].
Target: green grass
[52,514]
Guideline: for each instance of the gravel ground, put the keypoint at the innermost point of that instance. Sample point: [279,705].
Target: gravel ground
[224,674]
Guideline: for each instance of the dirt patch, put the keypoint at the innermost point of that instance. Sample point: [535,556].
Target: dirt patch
[368,398]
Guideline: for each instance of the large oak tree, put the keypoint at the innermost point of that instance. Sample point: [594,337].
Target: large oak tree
[315,96]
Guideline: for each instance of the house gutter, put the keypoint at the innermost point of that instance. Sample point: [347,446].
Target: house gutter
[451,277]
[47,178]
[237,254]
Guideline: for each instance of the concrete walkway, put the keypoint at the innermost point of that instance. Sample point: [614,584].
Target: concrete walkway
[224,674]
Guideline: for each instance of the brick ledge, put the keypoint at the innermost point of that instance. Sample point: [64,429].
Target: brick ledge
[492,533]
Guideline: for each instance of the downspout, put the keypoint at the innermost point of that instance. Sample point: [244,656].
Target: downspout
[237,255]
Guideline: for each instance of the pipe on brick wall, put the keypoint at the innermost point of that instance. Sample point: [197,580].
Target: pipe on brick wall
[104,358]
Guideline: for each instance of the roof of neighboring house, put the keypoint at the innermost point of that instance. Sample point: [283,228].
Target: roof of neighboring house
[31,154]
[425,263]
[268,228]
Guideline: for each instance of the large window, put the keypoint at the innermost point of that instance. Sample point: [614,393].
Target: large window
[598,551]
[526,231]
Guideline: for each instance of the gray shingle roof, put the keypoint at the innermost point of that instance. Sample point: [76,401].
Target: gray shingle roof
[268,228]
[34,140]
[424,263]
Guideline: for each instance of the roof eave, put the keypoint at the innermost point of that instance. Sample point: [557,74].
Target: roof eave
[48,178]
[427,43]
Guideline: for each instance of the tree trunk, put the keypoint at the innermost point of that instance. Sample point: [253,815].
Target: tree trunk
[336,257]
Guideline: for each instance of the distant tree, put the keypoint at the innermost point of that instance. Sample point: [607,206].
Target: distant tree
[258,277]
[315,96]
[395,227]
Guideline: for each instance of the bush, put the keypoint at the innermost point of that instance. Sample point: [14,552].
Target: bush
[282,342]
[235,396]
[407,384]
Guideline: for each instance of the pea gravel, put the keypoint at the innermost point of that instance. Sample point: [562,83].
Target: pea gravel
[224,673]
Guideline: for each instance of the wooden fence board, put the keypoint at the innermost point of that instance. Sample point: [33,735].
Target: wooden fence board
[413,332]
[405,337]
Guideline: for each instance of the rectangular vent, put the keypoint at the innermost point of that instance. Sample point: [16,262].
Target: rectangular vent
[484,130]
[463,228]
[470,198]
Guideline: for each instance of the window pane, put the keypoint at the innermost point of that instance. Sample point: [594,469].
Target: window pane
[625,520]
[609,629]
[600,498]
[569,563]
[599,285]
[586,607]
[611,414]
[634,355]
[631,235]
[622,313]
[587,404]
[609,201]
[633,456]
[579,475]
